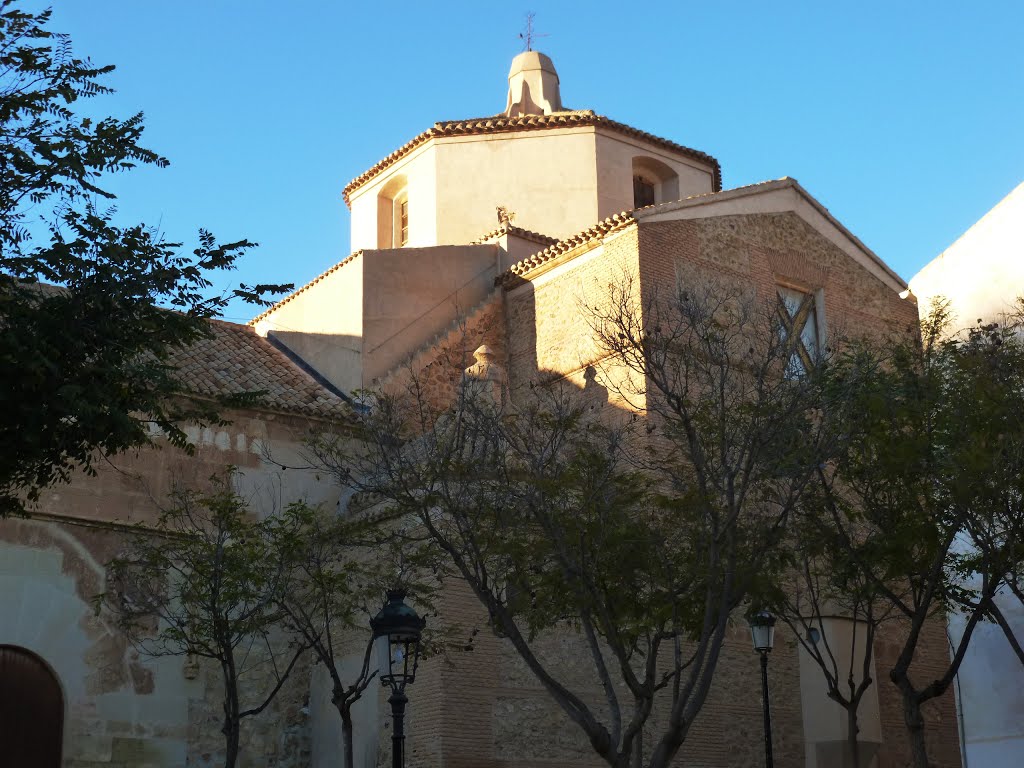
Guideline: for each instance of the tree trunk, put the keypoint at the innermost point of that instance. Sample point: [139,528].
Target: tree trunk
[346,736]
[231,730]
[667,748]
[853,733]
[231,747]
[232,721]
[915,726]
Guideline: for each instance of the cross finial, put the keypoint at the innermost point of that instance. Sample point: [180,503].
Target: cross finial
[530,35]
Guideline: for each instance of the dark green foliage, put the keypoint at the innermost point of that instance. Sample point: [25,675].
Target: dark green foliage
[917,514]
[85,363]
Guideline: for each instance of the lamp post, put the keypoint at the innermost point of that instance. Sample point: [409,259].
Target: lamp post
[398,624]
[762,631]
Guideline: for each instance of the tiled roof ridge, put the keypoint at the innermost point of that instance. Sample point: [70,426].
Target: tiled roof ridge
[502,124]
[440,338]
[512,229]
[612,224]
[649,210]
[603,228]
[304,288]
[782,183]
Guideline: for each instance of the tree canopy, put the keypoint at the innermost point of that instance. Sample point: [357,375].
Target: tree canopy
[638,537]
[89,309]
[207,581]
[914,515]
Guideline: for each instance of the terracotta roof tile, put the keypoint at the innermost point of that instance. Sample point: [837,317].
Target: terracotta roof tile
[236,360]
[503,124]
[512,229]
[601,229]
[305,288]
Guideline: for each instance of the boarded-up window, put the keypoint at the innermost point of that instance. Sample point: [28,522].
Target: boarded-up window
[31,711]
[799,319]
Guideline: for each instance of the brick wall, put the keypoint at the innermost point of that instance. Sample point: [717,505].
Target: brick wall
[942,733]
[484,709]
[766,250]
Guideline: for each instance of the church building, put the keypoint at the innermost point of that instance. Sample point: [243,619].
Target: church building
[473,246]
[490,234]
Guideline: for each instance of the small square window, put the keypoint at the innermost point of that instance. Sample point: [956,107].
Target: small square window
[798,318]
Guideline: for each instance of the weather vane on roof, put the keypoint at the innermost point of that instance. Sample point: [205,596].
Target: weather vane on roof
[529,36]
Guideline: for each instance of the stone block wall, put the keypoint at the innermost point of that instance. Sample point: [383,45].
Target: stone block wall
[763,251]
[121,708]
[437,369]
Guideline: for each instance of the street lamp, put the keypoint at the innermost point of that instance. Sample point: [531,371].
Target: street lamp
[762,631]
[399,625]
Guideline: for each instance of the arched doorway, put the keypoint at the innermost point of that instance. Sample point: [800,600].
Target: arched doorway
[31,711]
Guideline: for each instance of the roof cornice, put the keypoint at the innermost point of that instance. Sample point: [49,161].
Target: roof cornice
[512,229]
[502,124]
[529,266]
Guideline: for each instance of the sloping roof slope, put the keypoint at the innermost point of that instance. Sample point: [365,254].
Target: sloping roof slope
[236,360]
[503,124]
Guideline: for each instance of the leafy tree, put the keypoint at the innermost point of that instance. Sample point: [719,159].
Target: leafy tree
[86,362]
[204,582]
[930,457]
[339,569]
[641,538]
[819,588]
[990,375]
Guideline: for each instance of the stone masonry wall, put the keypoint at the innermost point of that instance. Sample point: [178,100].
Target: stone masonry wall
[123,709]
[768,250]
[483,709]
[491,712]
[550,324]
[438,368]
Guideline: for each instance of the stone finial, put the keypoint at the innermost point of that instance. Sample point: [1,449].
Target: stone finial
[486,366]
[532,86]
[190,669]
[486,374]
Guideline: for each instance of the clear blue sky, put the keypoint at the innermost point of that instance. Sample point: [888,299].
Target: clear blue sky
[905,119]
